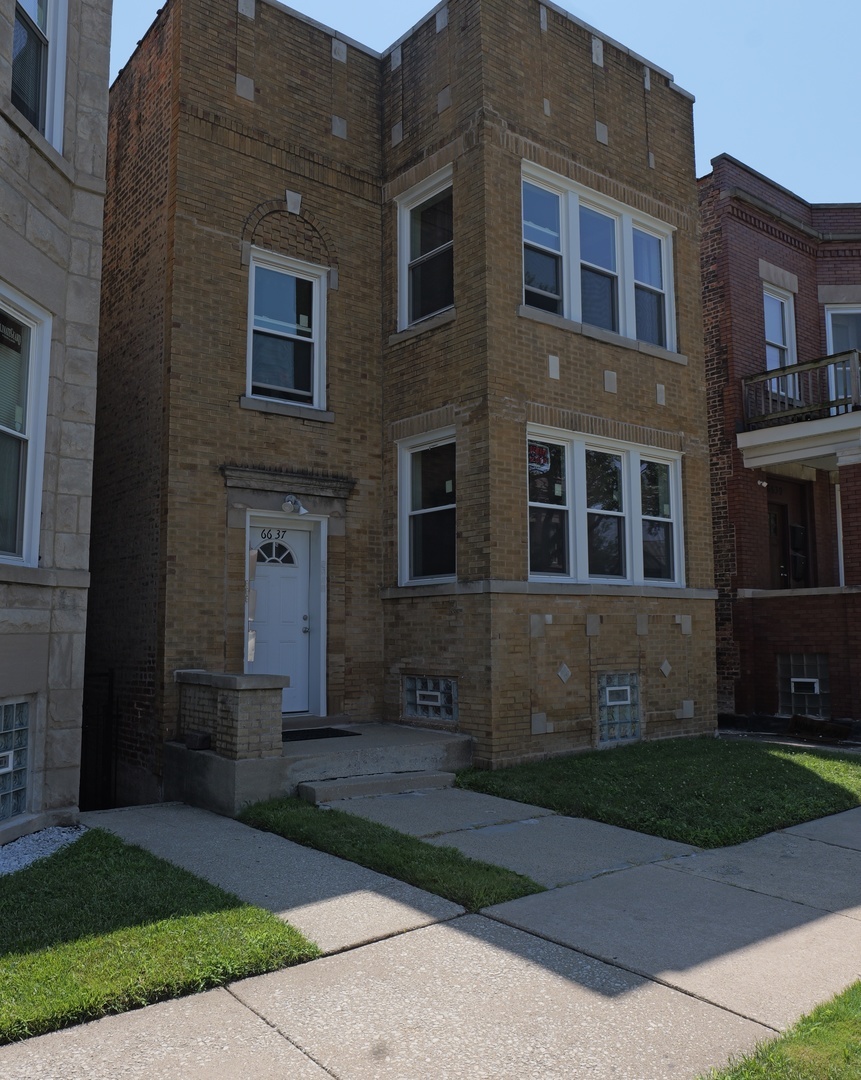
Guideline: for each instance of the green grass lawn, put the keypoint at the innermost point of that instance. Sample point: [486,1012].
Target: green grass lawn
[444,871]
[826,1045]
[708,792]
[102,927]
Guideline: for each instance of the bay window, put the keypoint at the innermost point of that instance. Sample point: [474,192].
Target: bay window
[595,261]
[426,250]
[602,512]
[427,486]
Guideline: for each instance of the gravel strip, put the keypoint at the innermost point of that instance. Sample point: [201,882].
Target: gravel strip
[20,853]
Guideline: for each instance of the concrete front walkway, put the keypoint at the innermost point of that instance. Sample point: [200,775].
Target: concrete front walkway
[644,959]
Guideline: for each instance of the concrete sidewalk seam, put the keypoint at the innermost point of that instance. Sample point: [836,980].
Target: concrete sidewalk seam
[341,950]
[757,892]
[812,839]
[275,1028]
[479,826]
[648,976]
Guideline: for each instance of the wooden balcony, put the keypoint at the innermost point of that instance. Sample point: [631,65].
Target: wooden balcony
[815,390]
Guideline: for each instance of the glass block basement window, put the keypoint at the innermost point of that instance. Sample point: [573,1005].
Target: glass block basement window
[428,697]
[803,685]
[14,726]
[618,707]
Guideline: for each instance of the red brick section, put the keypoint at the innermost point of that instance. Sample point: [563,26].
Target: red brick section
[850,506]
[747,218]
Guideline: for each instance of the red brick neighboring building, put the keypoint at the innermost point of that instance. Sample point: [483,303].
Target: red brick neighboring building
[448,299]
[782,292]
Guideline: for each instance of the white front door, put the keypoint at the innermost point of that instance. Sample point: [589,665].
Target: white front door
[279,614]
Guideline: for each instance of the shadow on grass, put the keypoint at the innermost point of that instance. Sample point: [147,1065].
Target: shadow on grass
[95,886]
[705,792]
[101,927]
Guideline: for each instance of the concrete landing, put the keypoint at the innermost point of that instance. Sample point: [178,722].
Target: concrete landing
[203,778]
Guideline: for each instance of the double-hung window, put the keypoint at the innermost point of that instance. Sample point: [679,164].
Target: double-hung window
[595,261]
[779,321]
[600,511]
[286,330]
[39,65]
[427,488]
[25,334]
[425,250]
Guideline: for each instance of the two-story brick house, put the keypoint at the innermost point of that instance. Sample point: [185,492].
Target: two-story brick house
[782,302]
[401,387]
[53,124]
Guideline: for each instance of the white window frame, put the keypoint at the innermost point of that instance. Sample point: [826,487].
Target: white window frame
[406,203]
[406,449]
[318,276]
[837,309]
[39,321]
[56,33]
[839,374]
[788,300]
[571,197]
[575,445]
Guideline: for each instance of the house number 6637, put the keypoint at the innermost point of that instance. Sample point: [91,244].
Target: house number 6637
[272,534]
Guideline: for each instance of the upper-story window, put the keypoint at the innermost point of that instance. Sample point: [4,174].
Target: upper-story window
[39,65]
[286,330]
[427,486]
[601,511]
[843,327]
[596,261]
[779,328]
[425,250]
[843,330]
[25,335]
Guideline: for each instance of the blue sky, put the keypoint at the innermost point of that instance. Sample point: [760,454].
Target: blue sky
[772,88]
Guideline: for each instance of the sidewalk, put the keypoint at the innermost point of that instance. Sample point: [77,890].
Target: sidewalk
[645,959]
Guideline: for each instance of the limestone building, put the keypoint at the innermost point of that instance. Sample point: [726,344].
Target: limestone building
[401,386]
[53,121]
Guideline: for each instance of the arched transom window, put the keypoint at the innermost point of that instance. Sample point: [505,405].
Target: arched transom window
[273,551]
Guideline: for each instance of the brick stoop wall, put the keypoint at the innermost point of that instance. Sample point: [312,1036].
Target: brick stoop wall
[241,714]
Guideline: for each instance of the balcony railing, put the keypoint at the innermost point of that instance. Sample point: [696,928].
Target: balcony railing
[814,390]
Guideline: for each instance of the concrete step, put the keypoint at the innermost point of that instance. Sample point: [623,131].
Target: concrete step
[357,787]
[373,749]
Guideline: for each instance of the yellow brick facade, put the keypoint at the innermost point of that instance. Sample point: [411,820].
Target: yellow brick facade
[285,138]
